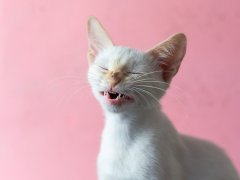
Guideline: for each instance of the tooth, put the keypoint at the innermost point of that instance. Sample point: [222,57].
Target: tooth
[118,97]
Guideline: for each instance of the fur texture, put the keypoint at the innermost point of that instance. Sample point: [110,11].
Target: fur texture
[138,141]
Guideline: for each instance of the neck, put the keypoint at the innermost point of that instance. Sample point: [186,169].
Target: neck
[129,123]
[132,113]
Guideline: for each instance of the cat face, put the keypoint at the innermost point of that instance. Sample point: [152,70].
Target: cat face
[123,78]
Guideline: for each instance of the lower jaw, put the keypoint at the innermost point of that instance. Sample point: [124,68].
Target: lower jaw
[116,103]
[119,101]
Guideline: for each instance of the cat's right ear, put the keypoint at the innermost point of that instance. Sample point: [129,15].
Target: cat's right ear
[169,54]
[98,38]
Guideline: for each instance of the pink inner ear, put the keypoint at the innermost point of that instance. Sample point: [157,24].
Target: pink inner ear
[167,71]
[98,38]
[169,54]
[91,55]
[167,63]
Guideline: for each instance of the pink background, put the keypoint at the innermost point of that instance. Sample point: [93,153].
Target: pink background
[50,131]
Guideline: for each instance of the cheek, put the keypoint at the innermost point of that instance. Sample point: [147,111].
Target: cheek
[98,79]
[129,79]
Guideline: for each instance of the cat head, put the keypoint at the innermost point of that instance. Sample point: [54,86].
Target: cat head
[122,78]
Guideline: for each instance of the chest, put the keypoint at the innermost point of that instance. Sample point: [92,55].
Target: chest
[125,158]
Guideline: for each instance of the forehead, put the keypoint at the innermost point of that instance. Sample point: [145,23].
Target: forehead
[120,57]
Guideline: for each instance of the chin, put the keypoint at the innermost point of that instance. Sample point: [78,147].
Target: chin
[118,108]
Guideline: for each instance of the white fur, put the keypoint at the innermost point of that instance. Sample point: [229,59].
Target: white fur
[138,141]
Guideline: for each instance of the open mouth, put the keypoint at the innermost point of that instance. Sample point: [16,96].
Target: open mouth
[116,98]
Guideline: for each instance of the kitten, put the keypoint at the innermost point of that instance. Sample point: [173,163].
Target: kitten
[138,141]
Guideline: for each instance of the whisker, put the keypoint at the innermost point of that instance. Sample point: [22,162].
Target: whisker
[144,74]
[147,92]
[177,98]
[152,96]
[151,80]
[148,81]
[67,99]
[141,95]
[152,87]
[154,81]
[53,85]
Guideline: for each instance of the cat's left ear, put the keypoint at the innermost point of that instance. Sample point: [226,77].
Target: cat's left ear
[98,38]
[169,55]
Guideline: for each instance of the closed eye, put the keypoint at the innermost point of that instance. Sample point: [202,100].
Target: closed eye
[134,73]
[103,68]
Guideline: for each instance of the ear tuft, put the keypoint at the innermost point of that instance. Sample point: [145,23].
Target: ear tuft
[98,38]
[169,54]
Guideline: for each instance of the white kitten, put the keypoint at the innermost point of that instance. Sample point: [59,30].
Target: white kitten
[138,141]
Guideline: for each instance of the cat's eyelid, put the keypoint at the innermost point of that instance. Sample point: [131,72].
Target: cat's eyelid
[134,73]
[103,68]
[127,72]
